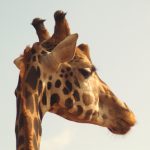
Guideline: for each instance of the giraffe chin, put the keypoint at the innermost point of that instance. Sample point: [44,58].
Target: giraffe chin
[120,131]
[121,127]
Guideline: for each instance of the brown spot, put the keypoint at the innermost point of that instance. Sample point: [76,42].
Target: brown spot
[40,113]
[33,76]
[50,77]
[34,58]
[68,68]
[76,95]
[71,74]
[25,121]
[76,82]
[21,121]
[49,85]
[54,99]
[27,93]
[58,84]
[61,75]
[69,103]
[40,87]
[65,91]
[88,114]
[33,51]
[104,116]
[79,110]
[87,99]
[43,52]
[28,57]
[36,102]
[62,70]
[68,85]
[44,98]
[49,46]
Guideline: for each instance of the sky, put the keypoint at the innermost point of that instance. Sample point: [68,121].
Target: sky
[118,34]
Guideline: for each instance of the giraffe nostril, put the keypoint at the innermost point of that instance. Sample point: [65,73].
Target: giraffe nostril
[125,105]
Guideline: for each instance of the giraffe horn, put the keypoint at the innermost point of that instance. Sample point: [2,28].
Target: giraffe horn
[62,29]
[40,28]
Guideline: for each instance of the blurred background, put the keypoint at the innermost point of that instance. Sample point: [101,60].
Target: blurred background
[118,34]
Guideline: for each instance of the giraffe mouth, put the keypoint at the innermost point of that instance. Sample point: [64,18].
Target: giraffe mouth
[118,130]
[121,127]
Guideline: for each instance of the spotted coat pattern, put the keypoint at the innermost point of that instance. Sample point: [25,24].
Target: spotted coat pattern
[73,91]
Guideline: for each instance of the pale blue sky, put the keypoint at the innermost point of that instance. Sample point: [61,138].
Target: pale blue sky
[118,33]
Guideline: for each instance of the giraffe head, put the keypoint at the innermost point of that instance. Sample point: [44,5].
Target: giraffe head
[62,79]
[79,93]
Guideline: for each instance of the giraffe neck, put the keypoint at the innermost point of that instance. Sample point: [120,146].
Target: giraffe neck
[28,121]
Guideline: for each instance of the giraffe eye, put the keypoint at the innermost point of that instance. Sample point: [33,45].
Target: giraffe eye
[86,72]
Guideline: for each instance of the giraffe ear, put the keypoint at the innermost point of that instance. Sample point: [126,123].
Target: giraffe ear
[65,50]
[18,62]
[85,49]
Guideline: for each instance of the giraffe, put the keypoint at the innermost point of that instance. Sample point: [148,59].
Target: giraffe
[59,77]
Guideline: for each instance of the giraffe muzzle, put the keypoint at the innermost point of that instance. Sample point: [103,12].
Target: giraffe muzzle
[123,125]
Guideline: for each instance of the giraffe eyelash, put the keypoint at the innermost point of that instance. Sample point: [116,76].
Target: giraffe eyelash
[86,72]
